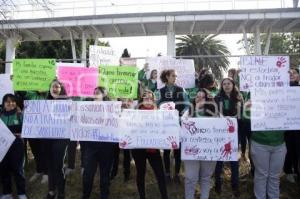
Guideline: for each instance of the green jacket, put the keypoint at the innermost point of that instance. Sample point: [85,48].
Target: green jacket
[13,120]
[270,138]
[33,95]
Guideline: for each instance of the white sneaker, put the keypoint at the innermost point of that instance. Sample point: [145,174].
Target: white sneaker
[290,178]
[34,177]
[7,196]
[44,179]
[22,196]
[68,171]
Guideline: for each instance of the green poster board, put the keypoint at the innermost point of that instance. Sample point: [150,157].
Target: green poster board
[33,74]
[120,81]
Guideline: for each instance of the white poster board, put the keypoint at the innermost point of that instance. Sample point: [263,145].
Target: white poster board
[275,109]
[102,55]
[154,129]
[264,72]
[6,85]
[184,68]
[96,121]
[209,139]
[6,139]
[47,119]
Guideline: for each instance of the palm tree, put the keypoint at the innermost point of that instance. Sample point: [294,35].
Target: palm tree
[191,45]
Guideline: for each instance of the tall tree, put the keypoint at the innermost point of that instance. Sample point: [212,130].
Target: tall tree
[204,45]
[281,43]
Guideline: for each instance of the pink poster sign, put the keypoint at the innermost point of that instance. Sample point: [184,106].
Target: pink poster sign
[78,81]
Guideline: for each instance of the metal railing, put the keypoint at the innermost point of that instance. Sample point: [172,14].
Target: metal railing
[71,8]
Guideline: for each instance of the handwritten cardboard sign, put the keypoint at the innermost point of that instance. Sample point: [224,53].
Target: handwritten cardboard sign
[33,74]
[121,81]
[264,72]
[6,85]
[275,109]
[6,139]
[47,119]
[78,81]
[209,139]
[154,129]
[96,121]
[102,55]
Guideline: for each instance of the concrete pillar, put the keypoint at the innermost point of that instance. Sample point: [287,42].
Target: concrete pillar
[246,41]
[10,53]
[268,42]
[83,49]
[257,41]
[171,51]
[73,47]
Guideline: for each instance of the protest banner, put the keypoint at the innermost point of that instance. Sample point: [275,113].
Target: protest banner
[209,139]
[275,109]
[47,119]
[33,74]
[96,121]
[184,68]
[78,81]
[120,81]
[6,139]
[154,129]
[128,61]
[6,85]
[264,72]
[102,55]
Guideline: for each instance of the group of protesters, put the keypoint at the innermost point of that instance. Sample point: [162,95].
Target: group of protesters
[269,152]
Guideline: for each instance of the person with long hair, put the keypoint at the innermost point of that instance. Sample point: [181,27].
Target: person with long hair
[176,94]
[97,154]
[13,162]
[195,169]
[229,102]
[140,156]
[56,151]
[152,81]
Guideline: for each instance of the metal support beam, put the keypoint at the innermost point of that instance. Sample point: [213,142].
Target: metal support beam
[116,28]
[268,42]
[246,41]
[73,47]
[57,34]
[242,26]
[144,29]
[256,24]
[83,48]
[10,53]
[220,26]
[257,41]
[31,34]
[275,21]
[171,40]
[295,3]
[76,35]
[192,28]
[291,24]
[98,31]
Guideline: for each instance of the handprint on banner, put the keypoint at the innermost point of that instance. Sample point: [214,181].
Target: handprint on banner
[172,140]
[191,151]
[280,62]
[231,127]
[190,126]
[226,150]
[125,142]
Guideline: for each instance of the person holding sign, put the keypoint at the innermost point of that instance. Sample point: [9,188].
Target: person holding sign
[229,102]
[56,151]
[292,140]
[13,162]
[97,154]
[172,93]
[198,169]
[140,156]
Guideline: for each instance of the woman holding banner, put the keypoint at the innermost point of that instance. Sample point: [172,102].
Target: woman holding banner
[229,102]
[140,156]
[13,162]
[175,94]
[97,153]
[56,151]
[202,107]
